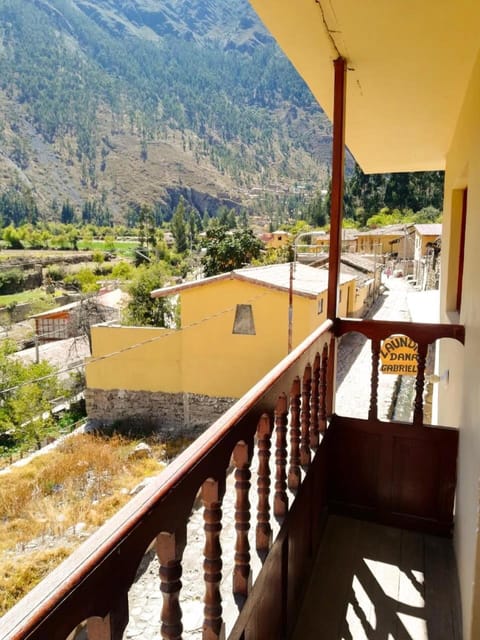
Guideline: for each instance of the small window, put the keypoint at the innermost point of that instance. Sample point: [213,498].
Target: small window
[243,323]
[320,306]
[340,295]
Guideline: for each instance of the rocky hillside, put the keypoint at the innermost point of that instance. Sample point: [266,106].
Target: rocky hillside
[138,100]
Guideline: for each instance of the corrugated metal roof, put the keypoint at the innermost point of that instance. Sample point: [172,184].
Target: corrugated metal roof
[433,229]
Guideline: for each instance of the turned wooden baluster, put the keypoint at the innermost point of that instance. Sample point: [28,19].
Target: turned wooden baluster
[314,422]
[373,410]
[213,626]
[280,500]
[113,625]
[242,575]
[294,474]
[322,395]
[170,548]
[419,385]
[305,455]
[264,530]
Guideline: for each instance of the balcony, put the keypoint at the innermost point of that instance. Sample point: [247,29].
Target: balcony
[318,500]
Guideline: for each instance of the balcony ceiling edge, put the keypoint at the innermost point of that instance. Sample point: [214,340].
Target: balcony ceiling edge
[409,67]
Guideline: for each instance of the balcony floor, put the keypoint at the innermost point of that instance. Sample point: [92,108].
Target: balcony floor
[380,583]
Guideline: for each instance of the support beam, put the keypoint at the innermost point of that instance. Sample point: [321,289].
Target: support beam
[336,208]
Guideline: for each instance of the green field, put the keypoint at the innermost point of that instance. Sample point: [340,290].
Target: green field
[34,296]
[121,247]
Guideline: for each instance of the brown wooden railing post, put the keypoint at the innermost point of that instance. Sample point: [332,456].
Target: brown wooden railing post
[336,201]
[264,530]
[280,500]
[305,455]
[331,375]
[113,625]
[419,385]
[322,400]
[314,419]
[373,409]
[170,548]
[213,626]
[294,474]
[242,575]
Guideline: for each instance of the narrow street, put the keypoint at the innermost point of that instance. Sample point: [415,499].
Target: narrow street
[354,361]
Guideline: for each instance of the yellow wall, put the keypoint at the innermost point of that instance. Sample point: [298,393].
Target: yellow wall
[366,244]
[204,356]
[460,399]
[155,364]
[279,239]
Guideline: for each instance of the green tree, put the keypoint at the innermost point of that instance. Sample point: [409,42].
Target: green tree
[67,214]
[143,310]
[227,250]
[26,392]
[179,227]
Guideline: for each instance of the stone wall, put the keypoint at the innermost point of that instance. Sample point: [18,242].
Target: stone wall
[169,413]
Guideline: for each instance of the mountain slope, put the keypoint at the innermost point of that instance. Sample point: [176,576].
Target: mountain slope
[126,99]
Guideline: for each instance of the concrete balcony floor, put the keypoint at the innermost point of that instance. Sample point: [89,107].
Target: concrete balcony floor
[372,582]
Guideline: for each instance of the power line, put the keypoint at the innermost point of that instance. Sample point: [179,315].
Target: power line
[130,347]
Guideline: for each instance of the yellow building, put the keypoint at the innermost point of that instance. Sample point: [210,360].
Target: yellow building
[233,329]
[277,239]
[415,106]
[387,240]
[425,235]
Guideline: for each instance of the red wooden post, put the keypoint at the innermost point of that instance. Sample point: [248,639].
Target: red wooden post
[113,625]
[280,500]
[213,626]
[264,530]
[336,212]
[314,419]
[170,548]
[294,474]
[336,207]
[242,575]
[305,455]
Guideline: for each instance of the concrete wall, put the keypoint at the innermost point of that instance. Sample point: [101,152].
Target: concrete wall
[459,399]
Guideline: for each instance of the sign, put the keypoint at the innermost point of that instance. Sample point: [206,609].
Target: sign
[399,356]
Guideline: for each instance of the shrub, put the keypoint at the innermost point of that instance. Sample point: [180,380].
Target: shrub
[11,280]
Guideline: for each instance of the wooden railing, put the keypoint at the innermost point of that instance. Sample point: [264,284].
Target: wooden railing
[279,425]
[423,334]
[397,473]
[283,433]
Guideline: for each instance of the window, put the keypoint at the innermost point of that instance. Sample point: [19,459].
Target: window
[243,323]
[320,306]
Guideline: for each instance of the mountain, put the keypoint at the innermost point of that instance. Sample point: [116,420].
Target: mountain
[126,101]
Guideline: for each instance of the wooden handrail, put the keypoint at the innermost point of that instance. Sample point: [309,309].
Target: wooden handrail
[94,580]
[380,329]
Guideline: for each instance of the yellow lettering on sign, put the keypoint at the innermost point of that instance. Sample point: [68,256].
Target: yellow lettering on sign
[399,356]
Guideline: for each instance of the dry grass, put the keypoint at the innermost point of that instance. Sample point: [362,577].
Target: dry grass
[47,506]
[22,574]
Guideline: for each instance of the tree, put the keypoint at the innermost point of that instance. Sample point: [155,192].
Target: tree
[143,310]
[67,214]
[227,250]
[27,390]
[178,226]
